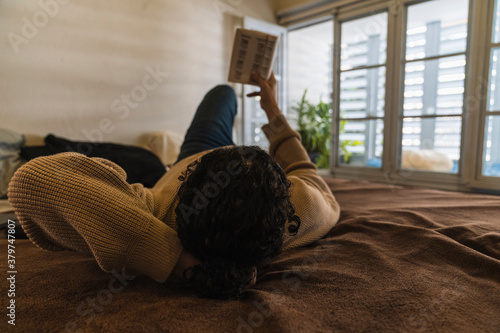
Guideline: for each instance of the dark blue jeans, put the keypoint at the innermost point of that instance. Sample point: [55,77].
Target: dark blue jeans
[212,125]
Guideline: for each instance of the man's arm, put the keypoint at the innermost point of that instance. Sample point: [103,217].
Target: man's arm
[277,130]
[314,203]
[70,201]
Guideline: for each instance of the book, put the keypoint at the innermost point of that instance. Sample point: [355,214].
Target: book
[253,51]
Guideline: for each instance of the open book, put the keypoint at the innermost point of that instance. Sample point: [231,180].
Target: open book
[252,51]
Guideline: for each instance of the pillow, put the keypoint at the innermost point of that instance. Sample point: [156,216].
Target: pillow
[426,159]
[10,159]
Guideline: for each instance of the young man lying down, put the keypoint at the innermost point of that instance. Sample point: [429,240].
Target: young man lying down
[216,217]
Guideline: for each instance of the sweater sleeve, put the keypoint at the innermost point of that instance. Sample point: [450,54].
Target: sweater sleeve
[72,202]
[314,202]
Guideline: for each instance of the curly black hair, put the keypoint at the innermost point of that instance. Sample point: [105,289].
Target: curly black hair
[234,206]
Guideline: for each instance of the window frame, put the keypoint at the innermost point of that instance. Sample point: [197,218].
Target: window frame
[479,95]
[469,175]
[442,180]
[339,19]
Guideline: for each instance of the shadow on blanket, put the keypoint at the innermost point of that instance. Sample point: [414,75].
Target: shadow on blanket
[400,259]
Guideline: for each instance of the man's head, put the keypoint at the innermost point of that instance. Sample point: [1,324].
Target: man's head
[234,205]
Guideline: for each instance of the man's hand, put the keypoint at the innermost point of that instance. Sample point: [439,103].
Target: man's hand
[268,95]
[186,260]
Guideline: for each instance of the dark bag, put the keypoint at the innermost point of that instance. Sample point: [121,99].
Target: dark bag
[141,165]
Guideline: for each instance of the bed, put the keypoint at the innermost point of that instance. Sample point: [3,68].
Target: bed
[401,259]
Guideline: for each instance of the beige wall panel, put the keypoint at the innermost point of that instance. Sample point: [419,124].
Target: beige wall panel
[71,74]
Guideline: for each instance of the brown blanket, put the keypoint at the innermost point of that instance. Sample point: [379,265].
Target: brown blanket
[400,260]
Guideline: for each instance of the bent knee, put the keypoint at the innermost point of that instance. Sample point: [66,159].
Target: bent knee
[224,88]
[225,91]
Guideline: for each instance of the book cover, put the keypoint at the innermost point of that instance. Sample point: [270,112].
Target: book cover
[252,51]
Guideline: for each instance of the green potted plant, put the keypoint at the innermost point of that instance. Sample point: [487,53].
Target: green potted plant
[345,144]
[314,122]
[314,126]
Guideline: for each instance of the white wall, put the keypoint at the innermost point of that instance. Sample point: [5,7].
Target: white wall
[71,74]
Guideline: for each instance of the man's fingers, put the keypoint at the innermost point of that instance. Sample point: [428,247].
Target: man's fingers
[272,78]
[255,93]
[253,280]
[257,78]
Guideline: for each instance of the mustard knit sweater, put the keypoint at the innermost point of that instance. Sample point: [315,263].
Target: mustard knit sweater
[72,202]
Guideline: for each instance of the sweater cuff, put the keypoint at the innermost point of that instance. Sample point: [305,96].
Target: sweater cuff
[277,131]
[157,252]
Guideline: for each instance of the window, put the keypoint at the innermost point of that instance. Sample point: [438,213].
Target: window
[310,52]
[363,57]
[434,77]
[430,116]
[491,118]
[416,89]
